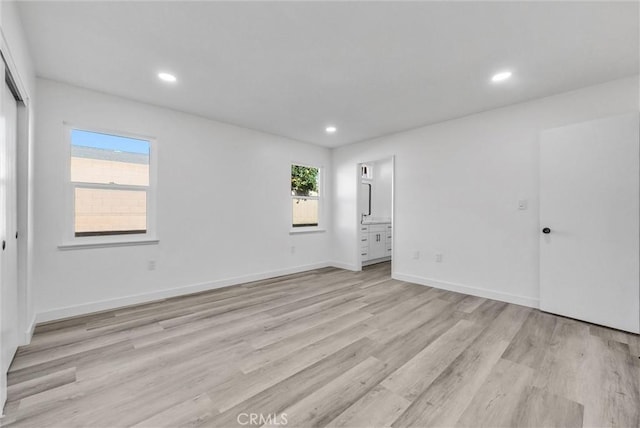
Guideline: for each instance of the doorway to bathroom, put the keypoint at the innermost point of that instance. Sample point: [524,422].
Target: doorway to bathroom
[375,211]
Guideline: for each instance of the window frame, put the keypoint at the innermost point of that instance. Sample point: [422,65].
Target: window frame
[305,229]
[70,240]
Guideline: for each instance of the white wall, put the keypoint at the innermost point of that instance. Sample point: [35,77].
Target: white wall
[16,44]
[381,189]
[223,214]
[457,186]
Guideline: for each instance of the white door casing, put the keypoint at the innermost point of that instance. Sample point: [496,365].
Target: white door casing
[9,322]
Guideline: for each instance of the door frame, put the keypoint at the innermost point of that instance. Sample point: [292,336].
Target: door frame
[358,255]
[24,208]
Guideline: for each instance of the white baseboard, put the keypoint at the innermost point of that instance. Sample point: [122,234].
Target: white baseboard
[29,333]
[473,291]
[103,305]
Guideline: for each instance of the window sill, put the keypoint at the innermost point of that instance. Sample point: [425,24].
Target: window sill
[88,245]
[300,230]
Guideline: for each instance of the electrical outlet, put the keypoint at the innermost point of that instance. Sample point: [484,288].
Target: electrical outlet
[416,255]
[438,258]
[151,265]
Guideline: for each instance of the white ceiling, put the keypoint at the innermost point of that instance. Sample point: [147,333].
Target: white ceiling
[370,68]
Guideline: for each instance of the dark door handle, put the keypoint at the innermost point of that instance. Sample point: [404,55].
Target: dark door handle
[546,231]
[4,244]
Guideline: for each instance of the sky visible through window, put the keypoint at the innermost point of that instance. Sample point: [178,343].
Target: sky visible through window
[108,142]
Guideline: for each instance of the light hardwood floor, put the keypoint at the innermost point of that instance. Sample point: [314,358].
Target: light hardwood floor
[326,348]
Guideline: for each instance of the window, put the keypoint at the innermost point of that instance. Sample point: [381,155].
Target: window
[305,197]
[111,185]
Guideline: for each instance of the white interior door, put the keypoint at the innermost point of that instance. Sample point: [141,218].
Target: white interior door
[589,197]
[9,323]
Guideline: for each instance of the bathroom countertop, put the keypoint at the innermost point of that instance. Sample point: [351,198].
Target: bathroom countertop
[376,221]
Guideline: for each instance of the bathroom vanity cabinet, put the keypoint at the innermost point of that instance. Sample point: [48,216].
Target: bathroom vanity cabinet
[375,242]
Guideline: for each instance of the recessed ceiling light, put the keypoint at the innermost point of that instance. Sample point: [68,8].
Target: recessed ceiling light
[331,129]
[166,77]
[500,77]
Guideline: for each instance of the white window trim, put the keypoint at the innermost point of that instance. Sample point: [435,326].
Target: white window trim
[69,241]
[319,198]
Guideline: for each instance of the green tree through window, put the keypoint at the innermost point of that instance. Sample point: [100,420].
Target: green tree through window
[304,180]
[304,195]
